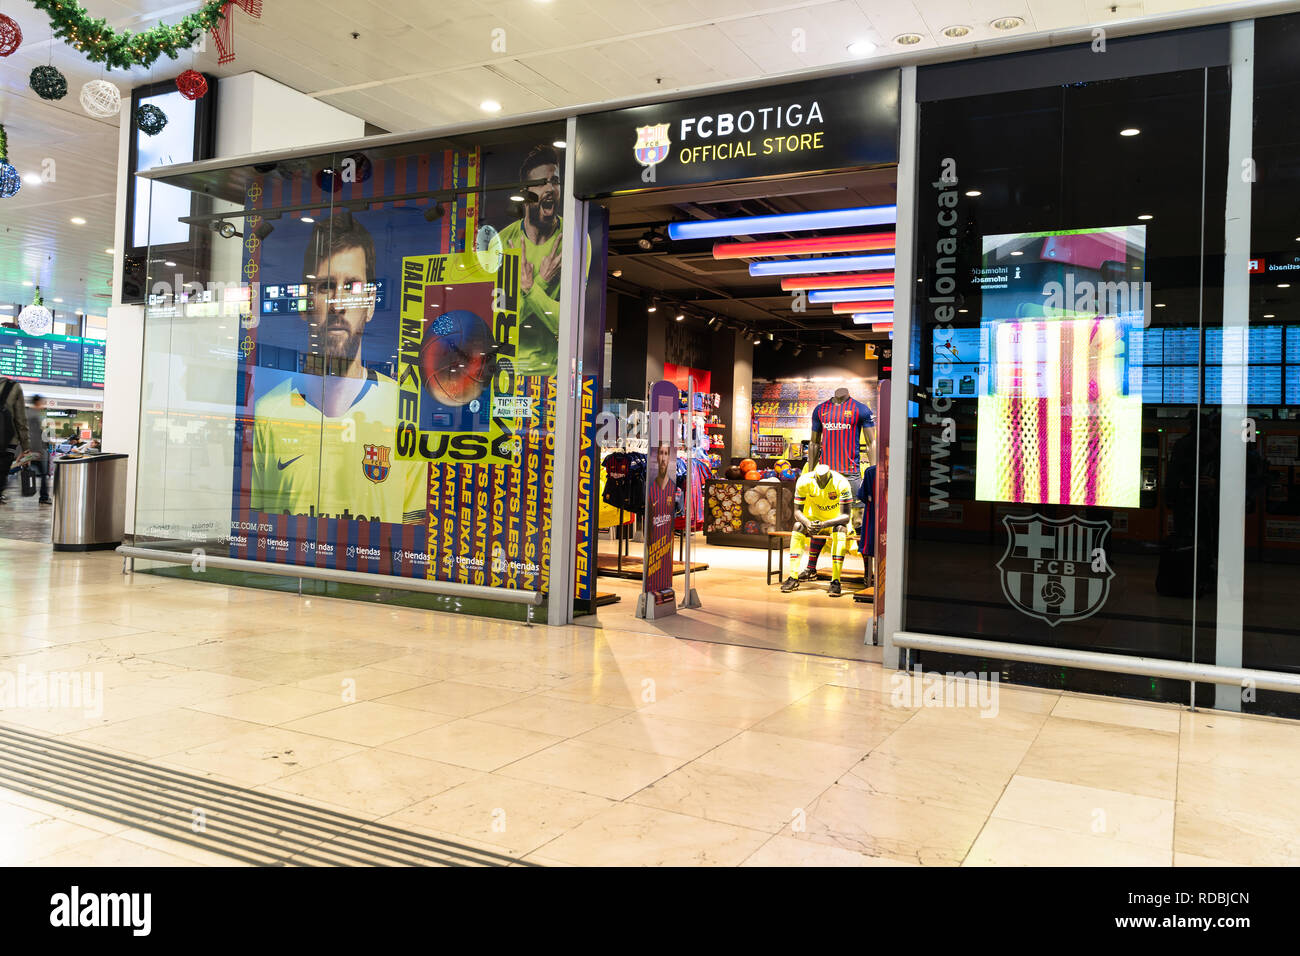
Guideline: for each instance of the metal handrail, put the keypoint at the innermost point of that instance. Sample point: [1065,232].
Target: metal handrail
[447,588]
[1100,661]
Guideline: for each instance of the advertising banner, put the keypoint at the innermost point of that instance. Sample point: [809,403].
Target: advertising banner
[657,598]
[396,374]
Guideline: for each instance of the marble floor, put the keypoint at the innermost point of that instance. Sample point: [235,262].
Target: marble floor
[740,607]
[226,726]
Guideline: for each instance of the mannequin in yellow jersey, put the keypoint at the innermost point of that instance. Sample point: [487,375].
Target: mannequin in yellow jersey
[822,506]
[323,440]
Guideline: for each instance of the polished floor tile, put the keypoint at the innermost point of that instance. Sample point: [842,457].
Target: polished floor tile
[612,742]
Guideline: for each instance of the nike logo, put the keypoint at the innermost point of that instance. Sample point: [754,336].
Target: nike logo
[282,465]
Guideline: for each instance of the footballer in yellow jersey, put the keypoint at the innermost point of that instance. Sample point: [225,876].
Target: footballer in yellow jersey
[308,463]
[822,503]
[323,441]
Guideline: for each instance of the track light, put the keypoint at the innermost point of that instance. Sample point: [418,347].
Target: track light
[435,212]
[681,316]
[653,306]
[776,346]
[770,336]
[649,239]
[821,351]
[226,230]
[713,321]
[798,348]
[263,229]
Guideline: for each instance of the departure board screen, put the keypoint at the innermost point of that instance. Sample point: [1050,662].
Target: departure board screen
[92,364]
[51,359]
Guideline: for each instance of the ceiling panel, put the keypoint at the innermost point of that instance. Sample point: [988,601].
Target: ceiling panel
[419,64]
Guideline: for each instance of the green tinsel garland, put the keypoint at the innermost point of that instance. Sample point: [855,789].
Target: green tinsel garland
[101,44]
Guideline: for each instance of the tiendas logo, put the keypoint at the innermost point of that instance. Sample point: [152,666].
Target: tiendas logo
[75,908]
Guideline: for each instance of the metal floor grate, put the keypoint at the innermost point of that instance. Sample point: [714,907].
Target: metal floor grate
[241,824]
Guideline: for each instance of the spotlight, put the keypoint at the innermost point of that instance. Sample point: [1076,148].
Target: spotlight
[681,316]
[434,212]
[776,346]
[646,242]
[226,230]
[517,196]
[770,336]
[713,321]
[531,197]
[617,273]
[262,230]
[653,306]
[821,351]
[798,348]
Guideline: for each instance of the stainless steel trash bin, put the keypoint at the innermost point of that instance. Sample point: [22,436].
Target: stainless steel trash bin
[89,502]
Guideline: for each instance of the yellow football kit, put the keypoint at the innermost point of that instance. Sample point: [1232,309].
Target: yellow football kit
[305,463]
[821,504]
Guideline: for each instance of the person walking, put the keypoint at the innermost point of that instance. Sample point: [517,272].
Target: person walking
[15,443]
[36,436]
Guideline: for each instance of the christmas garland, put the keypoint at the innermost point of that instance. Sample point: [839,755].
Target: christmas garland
[102,44]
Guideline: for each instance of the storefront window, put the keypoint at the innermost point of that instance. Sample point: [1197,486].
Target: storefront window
[1061,464]
[351,365]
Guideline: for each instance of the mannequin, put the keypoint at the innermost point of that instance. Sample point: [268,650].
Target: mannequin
[839,428]
[822,503]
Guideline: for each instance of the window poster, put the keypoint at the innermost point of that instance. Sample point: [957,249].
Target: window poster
[398,389]
[1059,408]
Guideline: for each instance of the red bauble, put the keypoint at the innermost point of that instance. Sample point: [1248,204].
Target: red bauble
[11,35]
[191,84]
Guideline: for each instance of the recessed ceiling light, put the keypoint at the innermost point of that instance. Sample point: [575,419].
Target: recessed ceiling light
[1007,23]
[1270,315]
[1130,131]
[308,219]
[28,284]
[1284,285]
[310,276]
[516,196]
[32,179]
[170,264]
[1160,305]
[908,39]
[973,193]
[956,32]
[77,221]
[681,316]
[109,251]
[963,310]
[490,106]
[1145,216]
[861,48]
[58,300]
[1017,252]
[559,144]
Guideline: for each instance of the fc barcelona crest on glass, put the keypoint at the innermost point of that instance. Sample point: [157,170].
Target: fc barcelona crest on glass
[1049,568]
[374,464]
[652,144]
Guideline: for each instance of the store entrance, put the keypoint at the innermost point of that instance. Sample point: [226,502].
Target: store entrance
[776,333]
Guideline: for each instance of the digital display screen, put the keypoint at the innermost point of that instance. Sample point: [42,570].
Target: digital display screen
[51,359]
[1263,384]
[1182,346]
[1182,385]
[961,363]
[92,364]
[1060,407]
[1265,346]
[282,298]
[159,206]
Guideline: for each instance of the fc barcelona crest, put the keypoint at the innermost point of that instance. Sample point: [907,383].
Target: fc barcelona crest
[1048,568]
[374,464]
[652,144]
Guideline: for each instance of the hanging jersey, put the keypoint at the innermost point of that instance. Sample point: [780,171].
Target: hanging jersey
[839,424]
[867,495]
[305,463]
[822,504]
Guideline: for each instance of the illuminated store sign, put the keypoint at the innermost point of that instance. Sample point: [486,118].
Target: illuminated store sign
[799,128]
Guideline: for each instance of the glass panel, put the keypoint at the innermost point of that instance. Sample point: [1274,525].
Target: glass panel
[1272,353]
[1069,263]
[378,390]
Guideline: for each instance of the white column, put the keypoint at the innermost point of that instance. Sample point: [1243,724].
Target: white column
[1236,328]
[899,432]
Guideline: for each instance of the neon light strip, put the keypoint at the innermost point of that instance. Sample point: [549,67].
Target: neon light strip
[803,267]
[786,222]
[858,280]
[881,317]
[883,327]
[821,297]
[873,242]
[851,308]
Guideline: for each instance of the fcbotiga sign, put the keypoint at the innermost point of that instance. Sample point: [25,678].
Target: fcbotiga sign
[818,126]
